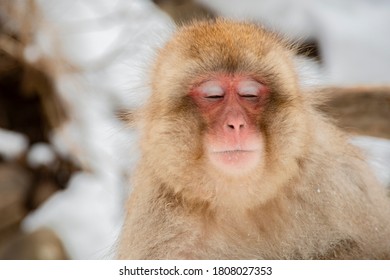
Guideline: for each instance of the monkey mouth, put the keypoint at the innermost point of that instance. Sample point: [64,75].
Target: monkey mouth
[233,151]
[234,161]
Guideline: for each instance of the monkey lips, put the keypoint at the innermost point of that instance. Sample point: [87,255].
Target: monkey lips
[235,161]
[235,156]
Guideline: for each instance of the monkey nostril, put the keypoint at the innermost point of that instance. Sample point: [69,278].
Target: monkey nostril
[230,126]
[238,126]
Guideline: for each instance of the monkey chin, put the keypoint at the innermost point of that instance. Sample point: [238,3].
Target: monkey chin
[235,162]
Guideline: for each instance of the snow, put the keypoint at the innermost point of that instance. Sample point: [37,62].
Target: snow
[12,144]
[111,43]
[83,215]
[377,152]
[290,17]
[40,154]
[355,41]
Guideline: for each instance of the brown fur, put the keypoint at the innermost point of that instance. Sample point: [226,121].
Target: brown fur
[312,198]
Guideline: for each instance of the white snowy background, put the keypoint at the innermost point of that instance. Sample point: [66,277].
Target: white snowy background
[112,43]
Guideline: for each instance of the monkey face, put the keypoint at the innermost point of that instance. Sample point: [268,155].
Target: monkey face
[225,106]
[230,105]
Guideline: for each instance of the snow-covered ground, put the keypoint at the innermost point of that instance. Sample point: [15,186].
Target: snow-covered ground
[12,144]
[377,152]
[112,42]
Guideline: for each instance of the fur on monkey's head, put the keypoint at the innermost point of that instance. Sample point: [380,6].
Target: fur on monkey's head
[173,128]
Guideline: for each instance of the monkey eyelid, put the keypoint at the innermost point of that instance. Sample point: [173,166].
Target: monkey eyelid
[211,89]
[249,89]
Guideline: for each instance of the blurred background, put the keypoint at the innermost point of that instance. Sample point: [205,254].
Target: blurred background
[70,71]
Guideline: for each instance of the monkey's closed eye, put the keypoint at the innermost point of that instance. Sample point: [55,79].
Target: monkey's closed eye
[214,97]
[249,96]
[212,90]
[250,90]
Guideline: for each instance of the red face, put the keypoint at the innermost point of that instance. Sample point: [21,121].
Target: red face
[231,105]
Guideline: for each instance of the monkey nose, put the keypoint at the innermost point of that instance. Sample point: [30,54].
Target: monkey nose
[235,124]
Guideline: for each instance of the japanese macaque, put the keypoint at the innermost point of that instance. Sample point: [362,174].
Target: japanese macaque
[237,163]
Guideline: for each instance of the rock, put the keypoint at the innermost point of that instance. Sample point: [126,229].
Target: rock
[360,110]
[15,183]
[42,244]
[184,10]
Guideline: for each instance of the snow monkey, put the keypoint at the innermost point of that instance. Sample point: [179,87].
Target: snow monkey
[237,163]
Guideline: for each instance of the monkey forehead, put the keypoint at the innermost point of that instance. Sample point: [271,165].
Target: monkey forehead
[222,46]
